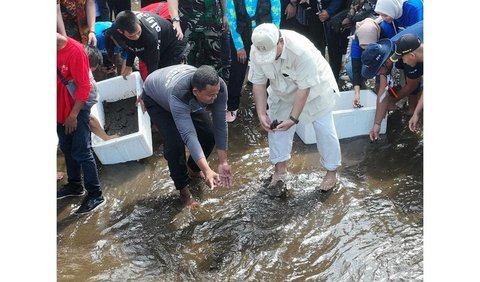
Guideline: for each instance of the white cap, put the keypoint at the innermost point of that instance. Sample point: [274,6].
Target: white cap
[265,38]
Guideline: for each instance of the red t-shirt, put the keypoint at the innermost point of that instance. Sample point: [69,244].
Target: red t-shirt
[72,61]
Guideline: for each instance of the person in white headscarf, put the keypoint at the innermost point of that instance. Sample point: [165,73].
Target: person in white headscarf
[400,14]
[390,10]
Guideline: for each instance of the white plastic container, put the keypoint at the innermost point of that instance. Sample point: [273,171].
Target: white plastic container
[129,147]
[349,121]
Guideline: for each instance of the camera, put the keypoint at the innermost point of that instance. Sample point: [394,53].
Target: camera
[274,124]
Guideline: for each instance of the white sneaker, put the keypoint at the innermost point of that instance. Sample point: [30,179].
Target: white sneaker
[231,116]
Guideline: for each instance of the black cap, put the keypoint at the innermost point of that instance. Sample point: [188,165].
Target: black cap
[406,44]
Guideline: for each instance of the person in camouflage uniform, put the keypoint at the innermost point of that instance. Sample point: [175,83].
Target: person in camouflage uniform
[204,24]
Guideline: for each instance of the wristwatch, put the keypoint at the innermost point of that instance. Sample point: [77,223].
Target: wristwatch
[176,19]
[295,120]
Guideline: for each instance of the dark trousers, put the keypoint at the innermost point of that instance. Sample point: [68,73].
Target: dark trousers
[338,43]
[177,54]
[104,11]
[77,150]
[322,36]
[237,74]
[226,46]
[174,147]
[317,32]
[117,6]
[292,23]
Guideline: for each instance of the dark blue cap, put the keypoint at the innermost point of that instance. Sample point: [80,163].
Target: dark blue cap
[374,57]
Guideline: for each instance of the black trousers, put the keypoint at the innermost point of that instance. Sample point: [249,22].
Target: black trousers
[292,23]
[322,36]
[237,74]
[174,147]
[104,11]
[338,43]
[117,6]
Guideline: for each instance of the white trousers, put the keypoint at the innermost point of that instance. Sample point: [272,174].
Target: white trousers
[328,146]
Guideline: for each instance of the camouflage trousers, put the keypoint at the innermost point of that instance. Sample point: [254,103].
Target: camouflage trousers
[210,48]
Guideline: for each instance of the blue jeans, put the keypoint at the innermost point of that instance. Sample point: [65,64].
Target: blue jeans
[77,150]
[348,68]
[174,147]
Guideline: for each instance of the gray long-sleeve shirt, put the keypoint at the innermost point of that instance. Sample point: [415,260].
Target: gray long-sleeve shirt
[171,89]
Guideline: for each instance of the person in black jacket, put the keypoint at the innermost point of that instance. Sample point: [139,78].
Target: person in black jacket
[149,37]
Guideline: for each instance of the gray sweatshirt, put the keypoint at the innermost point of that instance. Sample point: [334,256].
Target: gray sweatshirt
[171,89]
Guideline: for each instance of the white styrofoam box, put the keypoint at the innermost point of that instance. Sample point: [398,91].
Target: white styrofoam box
[349,121]
[134,146]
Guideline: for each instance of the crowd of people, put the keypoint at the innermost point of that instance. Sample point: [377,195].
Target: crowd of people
[194,57]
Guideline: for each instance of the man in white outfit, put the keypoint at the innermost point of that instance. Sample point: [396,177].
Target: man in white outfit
[302,90]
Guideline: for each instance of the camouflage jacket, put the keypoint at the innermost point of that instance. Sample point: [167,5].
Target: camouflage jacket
[198,15]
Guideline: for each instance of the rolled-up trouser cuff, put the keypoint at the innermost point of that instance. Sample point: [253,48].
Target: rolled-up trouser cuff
[280,144]
[328,145]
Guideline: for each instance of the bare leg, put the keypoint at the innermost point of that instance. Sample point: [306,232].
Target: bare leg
[98,130]
[329,181]
[280,172]
[186,197]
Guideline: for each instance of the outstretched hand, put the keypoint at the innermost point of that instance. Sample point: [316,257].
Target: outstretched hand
[212,179]
[226,176]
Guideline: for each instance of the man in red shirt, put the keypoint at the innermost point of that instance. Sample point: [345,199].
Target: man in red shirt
[72,125]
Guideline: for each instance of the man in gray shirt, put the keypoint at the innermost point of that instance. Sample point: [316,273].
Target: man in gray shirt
[188,106]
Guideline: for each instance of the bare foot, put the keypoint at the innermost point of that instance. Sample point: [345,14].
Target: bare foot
[329,181]
[186,198]
[278,176]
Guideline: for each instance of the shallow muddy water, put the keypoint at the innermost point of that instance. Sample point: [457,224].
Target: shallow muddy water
[369,228]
